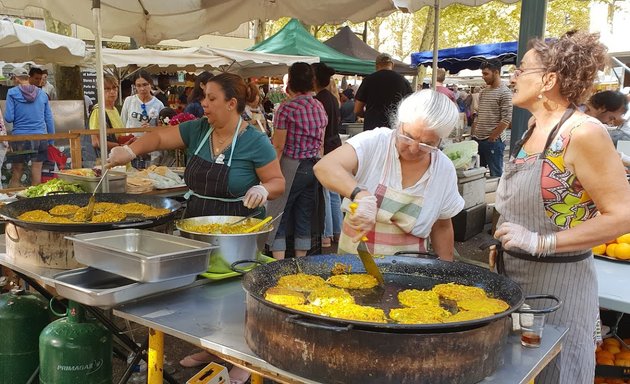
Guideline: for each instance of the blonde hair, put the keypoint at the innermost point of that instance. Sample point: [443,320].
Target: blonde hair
[434,109]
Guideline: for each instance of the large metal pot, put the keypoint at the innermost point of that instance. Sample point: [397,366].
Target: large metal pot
[232,248]
[45,244]
[11,211]
[345,351]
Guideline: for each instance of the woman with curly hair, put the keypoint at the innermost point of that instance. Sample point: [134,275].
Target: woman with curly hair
[563,191]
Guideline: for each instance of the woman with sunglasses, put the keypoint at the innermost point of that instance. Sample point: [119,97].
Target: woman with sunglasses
[405,188]
[562,192]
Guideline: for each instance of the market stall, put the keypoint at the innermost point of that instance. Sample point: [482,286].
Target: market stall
[211,315]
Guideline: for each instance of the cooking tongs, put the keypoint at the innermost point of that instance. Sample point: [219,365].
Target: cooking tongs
[89,211]
[366,257]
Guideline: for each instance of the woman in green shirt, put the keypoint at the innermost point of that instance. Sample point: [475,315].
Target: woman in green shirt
[233,167]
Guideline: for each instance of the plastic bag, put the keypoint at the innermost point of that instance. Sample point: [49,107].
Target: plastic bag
[57,157]
[461,154]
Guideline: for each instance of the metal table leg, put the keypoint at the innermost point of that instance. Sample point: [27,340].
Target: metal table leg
[138,350]
[156,357]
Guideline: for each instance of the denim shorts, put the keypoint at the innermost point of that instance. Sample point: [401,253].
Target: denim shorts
[25,151]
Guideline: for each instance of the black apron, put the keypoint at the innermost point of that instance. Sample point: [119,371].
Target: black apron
[209,194]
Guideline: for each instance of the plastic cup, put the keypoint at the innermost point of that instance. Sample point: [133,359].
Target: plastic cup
[532,325]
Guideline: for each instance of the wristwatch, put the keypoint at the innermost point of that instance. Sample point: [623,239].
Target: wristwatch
[354,193]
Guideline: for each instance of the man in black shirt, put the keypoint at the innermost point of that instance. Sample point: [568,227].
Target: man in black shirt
[380,93]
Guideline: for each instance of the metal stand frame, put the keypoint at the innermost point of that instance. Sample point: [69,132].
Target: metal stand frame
[139,352]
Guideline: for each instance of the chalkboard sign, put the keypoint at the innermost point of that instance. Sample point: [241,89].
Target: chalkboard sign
[89,84]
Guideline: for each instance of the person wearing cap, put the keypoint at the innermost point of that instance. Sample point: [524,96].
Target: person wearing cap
[28,109]
[380,93]
[347,106]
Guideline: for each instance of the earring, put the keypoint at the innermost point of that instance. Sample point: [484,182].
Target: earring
[540,96]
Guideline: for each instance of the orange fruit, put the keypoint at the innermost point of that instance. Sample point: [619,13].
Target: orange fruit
[612,349]
[624,238]
[604,354]
[599,249]
[622,251]
[605,362]
[623,355]
[610,249]
[622,363]
[611,340]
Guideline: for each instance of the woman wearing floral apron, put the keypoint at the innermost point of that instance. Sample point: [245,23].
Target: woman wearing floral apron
[563,192]
[405,188]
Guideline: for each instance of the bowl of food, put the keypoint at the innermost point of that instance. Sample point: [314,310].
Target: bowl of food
[234,244]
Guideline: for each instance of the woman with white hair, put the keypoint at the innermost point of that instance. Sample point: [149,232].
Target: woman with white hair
[404,186]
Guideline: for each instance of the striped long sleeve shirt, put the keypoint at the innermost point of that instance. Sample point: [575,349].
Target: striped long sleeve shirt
[495,105]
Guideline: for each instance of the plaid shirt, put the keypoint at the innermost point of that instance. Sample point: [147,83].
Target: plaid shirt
[305,120]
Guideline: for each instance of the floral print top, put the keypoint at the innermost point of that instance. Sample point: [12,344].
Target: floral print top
[565,200]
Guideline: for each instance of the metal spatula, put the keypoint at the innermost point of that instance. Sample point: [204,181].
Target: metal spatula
[89,211]
[366,257]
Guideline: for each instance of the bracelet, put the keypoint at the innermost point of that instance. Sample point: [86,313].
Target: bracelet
[354,193]
[546,245]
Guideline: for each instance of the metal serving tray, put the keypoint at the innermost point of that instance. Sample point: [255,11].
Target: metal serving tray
[142,255]
[117,181]
[98,288]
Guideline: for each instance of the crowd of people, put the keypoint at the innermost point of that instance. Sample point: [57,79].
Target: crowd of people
[554,202]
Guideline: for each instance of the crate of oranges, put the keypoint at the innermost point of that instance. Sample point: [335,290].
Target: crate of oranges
[618,249]
[613,361]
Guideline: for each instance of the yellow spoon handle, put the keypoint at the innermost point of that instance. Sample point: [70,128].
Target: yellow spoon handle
[259,225]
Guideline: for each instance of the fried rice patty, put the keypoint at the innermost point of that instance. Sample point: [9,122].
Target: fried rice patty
[417,298]
[330,295]
[301,282]
[353,281]
[427,314]
[452,291]
[284,296]
[466,316]
[486,304]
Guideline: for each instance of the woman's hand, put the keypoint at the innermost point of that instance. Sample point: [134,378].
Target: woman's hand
[363,218]
[120,155]
[255,196]
[514,236]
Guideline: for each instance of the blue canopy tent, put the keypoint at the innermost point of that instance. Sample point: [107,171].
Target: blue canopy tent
[470,57]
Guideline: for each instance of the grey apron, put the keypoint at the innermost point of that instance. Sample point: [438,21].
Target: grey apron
[519,201]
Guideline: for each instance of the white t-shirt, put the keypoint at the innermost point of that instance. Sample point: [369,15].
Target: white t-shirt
[133,115]
[438,185]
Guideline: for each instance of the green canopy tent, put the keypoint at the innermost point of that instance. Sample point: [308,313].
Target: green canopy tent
[294,39]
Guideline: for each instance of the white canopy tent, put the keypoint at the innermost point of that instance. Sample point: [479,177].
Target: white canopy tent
[151,22]
[244,63]
[20,44]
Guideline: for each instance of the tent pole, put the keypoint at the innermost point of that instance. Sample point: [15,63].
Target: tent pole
[100,88]
[436,34]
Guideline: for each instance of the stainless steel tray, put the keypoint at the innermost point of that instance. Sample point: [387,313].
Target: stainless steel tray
[142,255]
[98,288]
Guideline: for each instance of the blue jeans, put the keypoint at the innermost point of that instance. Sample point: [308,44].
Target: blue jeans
[491,155]
[334,217]
[299,210]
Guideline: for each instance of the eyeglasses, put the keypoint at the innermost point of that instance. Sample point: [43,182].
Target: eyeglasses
[406,140]
[518,72]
